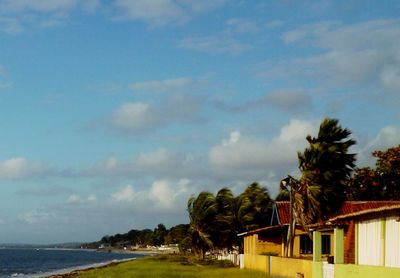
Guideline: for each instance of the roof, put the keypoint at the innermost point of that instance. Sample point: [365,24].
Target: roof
[283,210]
[265,229]
[349,209]
[366,209]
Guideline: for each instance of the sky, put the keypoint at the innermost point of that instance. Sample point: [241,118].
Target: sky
[114,112]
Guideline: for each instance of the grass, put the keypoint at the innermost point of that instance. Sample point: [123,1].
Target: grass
[172,266]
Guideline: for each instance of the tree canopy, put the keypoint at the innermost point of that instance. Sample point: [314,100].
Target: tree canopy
[381,182]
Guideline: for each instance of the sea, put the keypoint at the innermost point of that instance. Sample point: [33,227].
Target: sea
[41,262]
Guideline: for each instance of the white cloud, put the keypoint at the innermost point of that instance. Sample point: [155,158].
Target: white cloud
[386,138]
[37,5]
[20,167]
[165,85]
[275,24]
[18,15]
[134,116]
[163,12]
[165,194]
[37,216]
[249,158]
[160,164]
[126,194]
[76,199]
[154,159]
[363,53]
[290,100]
[162,195]
[156,12]
[242,26]
[215,44]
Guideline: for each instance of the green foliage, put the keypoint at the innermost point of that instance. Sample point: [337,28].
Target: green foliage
[159,236]
[325,167]
[222,217]
[202,214]
[381,182]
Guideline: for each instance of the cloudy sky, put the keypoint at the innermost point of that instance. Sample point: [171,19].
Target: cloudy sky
[113,112]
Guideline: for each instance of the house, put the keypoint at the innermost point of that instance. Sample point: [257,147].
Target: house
[362,238]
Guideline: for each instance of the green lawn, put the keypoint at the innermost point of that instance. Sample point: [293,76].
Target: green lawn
[171,266]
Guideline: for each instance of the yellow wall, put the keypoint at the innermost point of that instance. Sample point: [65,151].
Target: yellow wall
[254,246]
[364,271]
[288,267]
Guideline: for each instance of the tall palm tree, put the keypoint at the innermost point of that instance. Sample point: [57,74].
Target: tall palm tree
[234,215]
[325,168]
[202,212]
[260,206]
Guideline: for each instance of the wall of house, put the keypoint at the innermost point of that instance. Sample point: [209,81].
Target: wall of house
[364,271]
[255,246]
[272,246]
[289,267]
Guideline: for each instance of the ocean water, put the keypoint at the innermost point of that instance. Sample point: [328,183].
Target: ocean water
[42,262]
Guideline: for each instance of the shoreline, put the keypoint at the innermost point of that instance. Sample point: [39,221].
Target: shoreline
[73,271]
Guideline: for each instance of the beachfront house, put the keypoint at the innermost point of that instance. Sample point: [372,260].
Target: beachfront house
[361,240]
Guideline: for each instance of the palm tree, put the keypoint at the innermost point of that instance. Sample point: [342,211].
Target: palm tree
[260,206]
[234,215]
[202,212]
[325,169]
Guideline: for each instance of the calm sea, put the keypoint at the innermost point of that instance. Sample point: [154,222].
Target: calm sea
[40,262]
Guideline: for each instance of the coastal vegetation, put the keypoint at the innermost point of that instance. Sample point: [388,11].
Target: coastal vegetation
[327,178]
[171,266]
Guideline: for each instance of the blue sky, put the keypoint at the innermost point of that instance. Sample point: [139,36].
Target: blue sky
[114,112]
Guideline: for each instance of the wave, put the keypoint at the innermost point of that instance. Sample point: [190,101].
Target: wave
[76,268]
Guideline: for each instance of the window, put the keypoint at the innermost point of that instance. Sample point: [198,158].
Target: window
[326,244]
[306,245]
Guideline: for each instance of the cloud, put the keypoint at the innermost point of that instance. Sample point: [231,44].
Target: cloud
[37,216]
[76,199]
[290,100]
[247,158]
[46,191]
[163,12]
[215,44]
[139,117]
[18,15]
[166,85]
[126,194]
[165,194]
[275,24]
[293,101]
[162,195]
[361,54]
[135,116]
[21,168]
[160,164]
[241,26]
[386,138]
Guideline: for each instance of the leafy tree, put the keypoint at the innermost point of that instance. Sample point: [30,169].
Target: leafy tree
[381,182]
[202,212]
[159,233]
[177,233]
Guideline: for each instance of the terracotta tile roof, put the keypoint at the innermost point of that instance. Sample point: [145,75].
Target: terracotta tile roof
[283,208]
[350,207]
[357,208]
[265,229]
